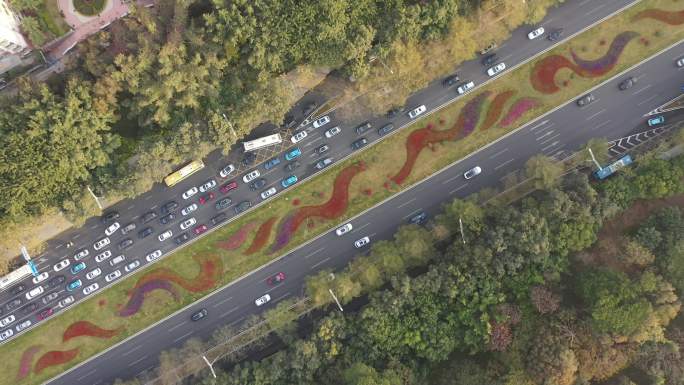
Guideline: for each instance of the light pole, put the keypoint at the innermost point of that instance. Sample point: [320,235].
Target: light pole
[373,58]
[336,301]
[94,196]
[230,125]
[460,225]
[594,159]
[213,373]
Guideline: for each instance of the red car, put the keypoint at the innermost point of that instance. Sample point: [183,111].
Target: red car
[45,313]
[232,185]
[276,279]
[200,229]
[206,198]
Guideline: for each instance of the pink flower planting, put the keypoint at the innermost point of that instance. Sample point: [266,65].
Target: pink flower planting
[26,361]
[518,108]
[238,238]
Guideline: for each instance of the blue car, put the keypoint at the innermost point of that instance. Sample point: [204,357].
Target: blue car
[78,267]
[295,152]
[73,285]
[272,163]
[656,121]
[289,181]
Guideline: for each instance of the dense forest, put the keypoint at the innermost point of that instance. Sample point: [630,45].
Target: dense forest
[534,296]
[176,81]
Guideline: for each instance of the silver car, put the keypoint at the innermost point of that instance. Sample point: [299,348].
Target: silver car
[262,300]
[268,193]
[362,242]
[473,172]
[23,325]
[189,209]
[208,185]
[251,176]
[496,69]
[190,192]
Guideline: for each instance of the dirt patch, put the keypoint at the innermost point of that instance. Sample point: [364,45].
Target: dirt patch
[671,18]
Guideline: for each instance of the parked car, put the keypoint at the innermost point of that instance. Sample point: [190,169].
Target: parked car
[166,219]
[146,232]
[33,293]
[416,112]
[387,128]
[6,334]
[473,172]
[450,80]
[75,269]
[61,264]
[268,193]
[40,277]
[66,301]
[262,300]
[627,83]
[148,217]
[117,260]
[200,229]
[465,87]
[132,266]
[49,297]
[13,304]
[309,108]
[206,198]
[44,313]
[126,244]
[100,243]
[153,255]
[289,181]
[219,218]
[29,308]
[489,60]
[102,256]
[191,191]
[323,148]
[251,176]
[298,136]
[187,223]
[110,216]
[112,228]
[81,254]
[271,163]
[293,153]
[165,235]
[226,171]
[391,114]
[656,121]
[54,282]
[128,228]
[680,62]
[199,315]
[242,206]
[332,132]
[555,35]
[189,209]
[7,320]
[363,128]
[89,289]
[323,163]
[249,159]
[320,122]
[496,69]
[257,184]
[22,326]
[73,285]
[275,279]
[16,290]
[232,185]
[361,242]
[536,33]
[585,100]
[344,229]
[208,185]
[292,166]
[358,143]
[113,275]
[169,207]
[181,239]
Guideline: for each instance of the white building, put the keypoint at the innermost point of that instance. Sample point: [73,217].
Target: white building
[11,39]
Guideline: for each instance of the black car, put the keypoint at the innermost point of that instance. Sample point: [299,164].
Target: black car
[181,238]
[394,112]
[110,217]
[309,108]
[322,149]
[363,128]
[627,83]
[146,232]
[289,121]
[323,163]
[359,143]
[223,203]
[249,159]
[169,207]
[292,166]
[218,219]
[257,184]
[29,308]
[128,228]
[418,219]
[54,282]
[13,304]
[17,289]
[385,129]
[126,243]
[555,35]
[244,205]
[199,315]
[586,99]
[450,80]
[148,216]
[167,218]
[489,60]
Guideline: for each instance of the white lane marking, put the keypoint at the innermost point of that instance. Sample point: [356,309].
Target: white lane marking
[130,207]
[145,370]
[414,212]
[498,153]
[135,217]
[550,145]
[584,2]
[137,361]
[601,125]
[539,125]
[548,21]
[310,142]
[549,139]
[221,302]
[86,375]
[595,115]
[229,311]
[183,336]
[282,297]
[58,247]
[596,8]
[314,252]
[236,321]
[450,179]
[93,226]
[77,235]
[545,135]
[547,127]
[360,227]
[406,203]
[504,163]
[322,261]
[132,350]
[647,100]
[147,198]
[642,89]
[458,188]
[177,326]
[153,207]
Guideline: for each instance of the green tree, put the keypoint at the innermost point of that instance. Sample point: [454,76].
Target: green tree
[635,254]
[544,171]
[362,374]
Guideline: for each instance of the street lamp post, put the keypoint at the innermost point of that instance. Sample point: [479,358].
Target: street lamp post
[594,159]
[336,301]
[373,58]
[211,367]
[230,125]
[94,196]
[460,225]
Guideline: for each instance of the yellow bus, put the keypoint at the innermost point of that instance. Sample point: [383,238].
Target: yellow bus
[184,172]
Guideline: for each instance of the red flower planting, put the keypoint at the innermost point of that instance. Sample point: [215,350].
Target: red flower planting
[667,17]
[26,361]
[54,357]
[333,208]
[137,296]
[238,238]
[261,236]
[422,137]
[495,109]
[296,202]
[85,328]
[518,108]
[368,192]
[210,268]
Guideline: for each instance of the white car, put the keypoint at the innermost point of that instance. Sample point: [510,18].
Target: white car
[262,300]
[362,242]
[117,260]
[132,266]
[190,192]
[462,89]
[536,33]
[680,62]
[165,235]
[297,137]
[226,171]
[81,254]
[189,209]
[344,229]
[61,264]
[321,121]
[6,334]
[113,275]
[268,193]
[153,255]
[7,320]
[187,223]
[40,277]
[473,172]
[94,273]
[414,113]
[102,256]
[36,291]
[23,325]
[89,289]
[332,132]
[112,228]
[101,243]
[250,176]
[496,69]
[66,301]
[208,185]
